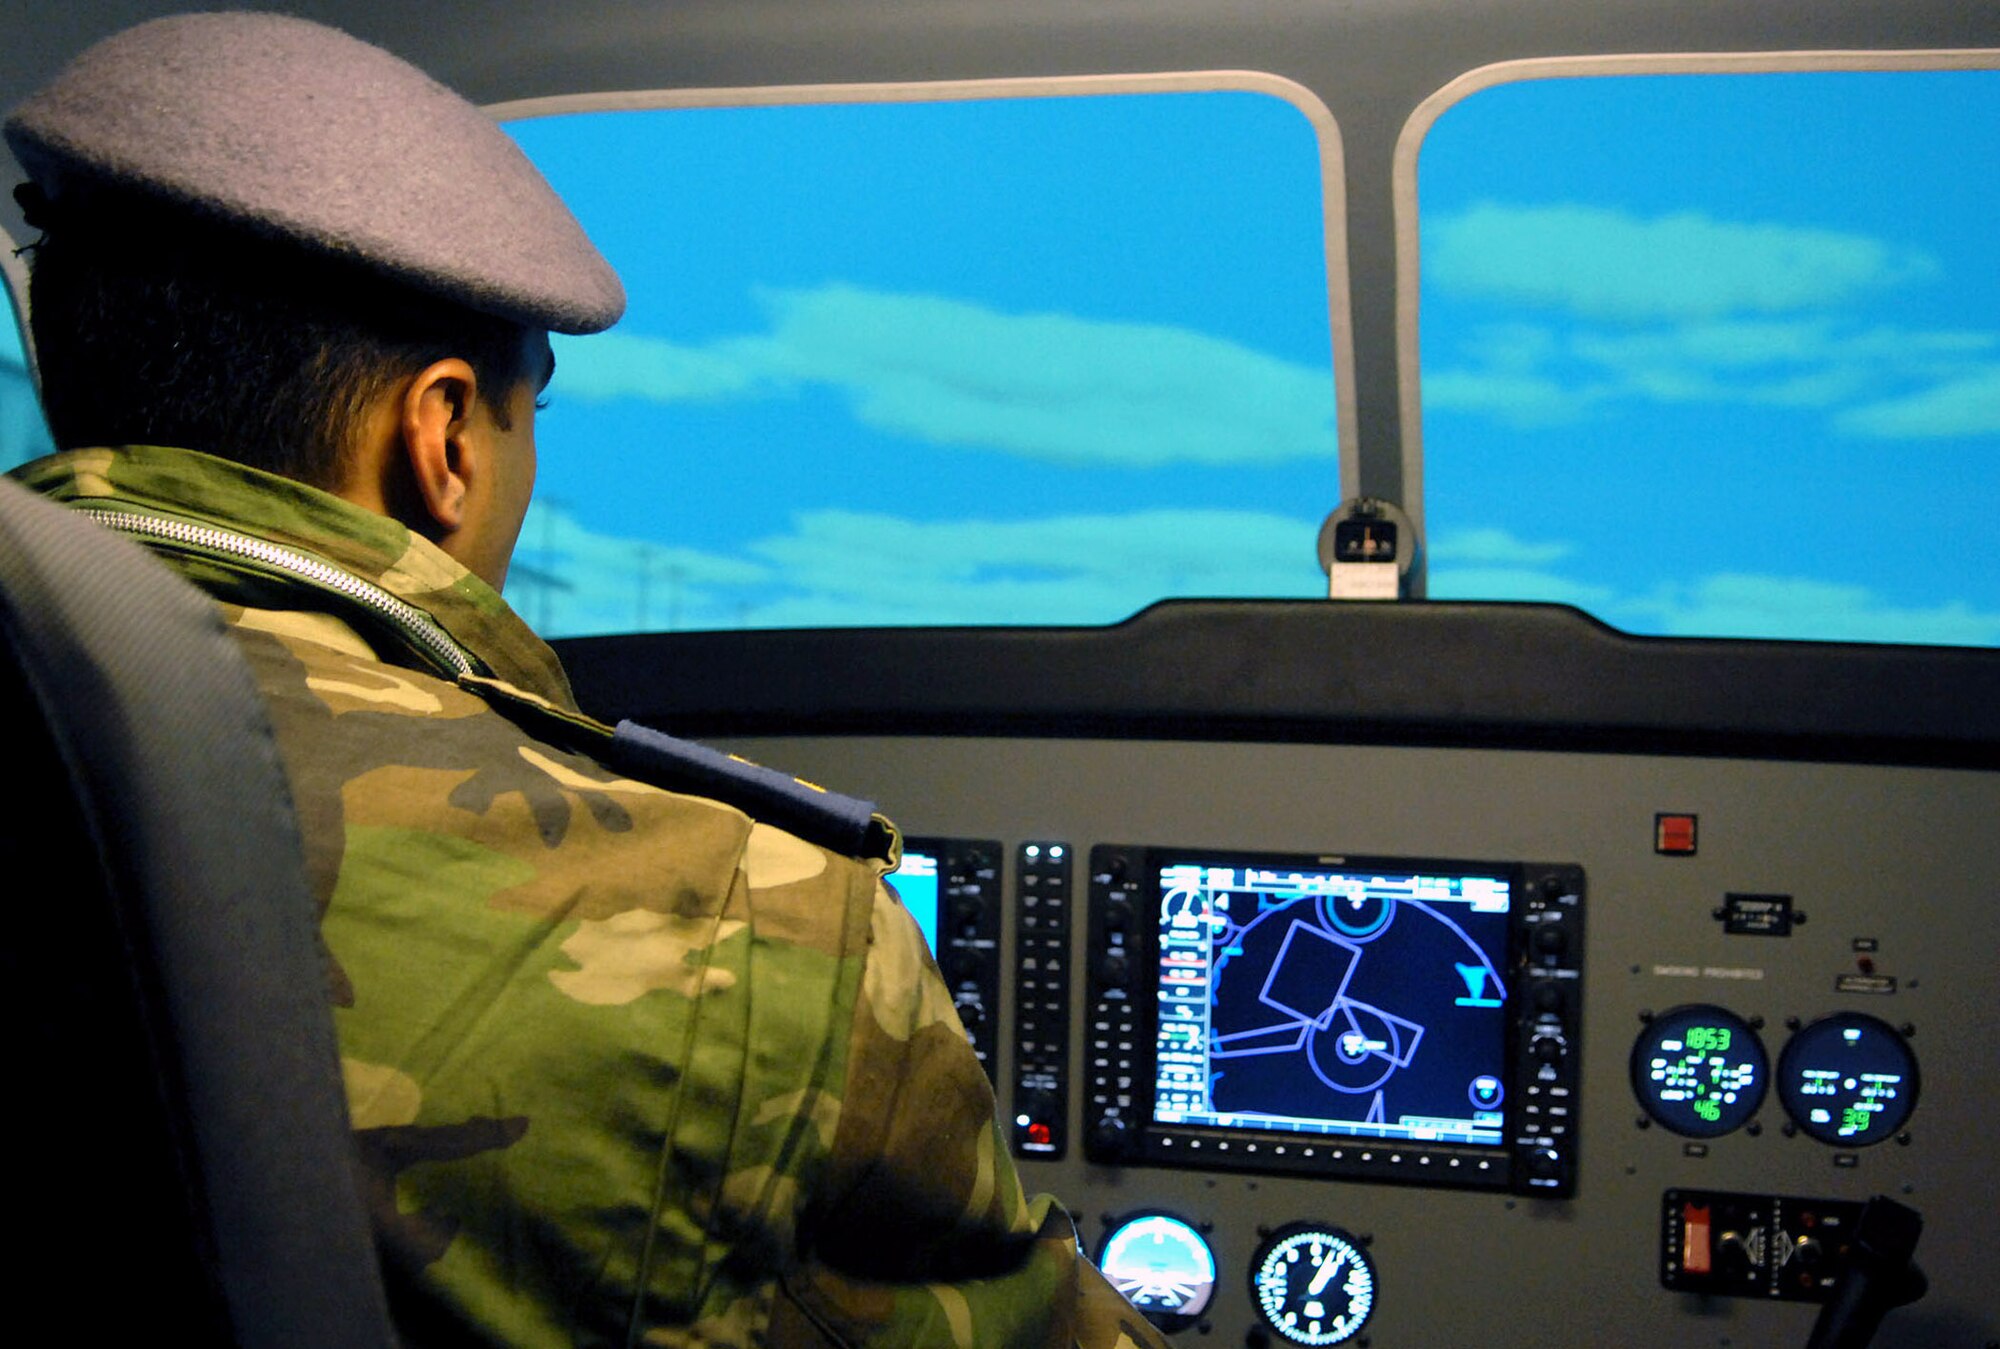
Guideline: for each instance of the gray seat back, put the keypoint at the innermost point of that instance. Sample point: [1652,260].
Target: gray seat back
[178,1126]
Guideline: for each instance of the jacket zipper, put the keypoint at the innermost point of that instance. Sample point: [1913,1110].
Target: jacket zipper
[416,627]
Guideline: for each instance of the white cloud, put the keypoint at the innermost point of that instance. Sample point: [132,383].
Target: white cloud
[1524,401]
[1048,387]
[1799,363]
[846,568]
[1734,604]
[628,365]
[1603,263]
[1967,406]
[1510,348]
[1062,569]
[1052,386]
[1944,381]
[1514,583]
[1685,309]
[1488,545]
[1488,563]
[567,579]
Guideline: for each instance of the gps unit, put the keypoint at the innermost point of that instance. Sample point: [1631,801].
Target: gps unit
[1389,1018]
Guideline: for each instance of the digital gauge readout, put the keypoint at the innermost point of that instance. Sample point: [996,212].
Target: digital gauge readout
[1162,1266]
[1848,1080]
[1313,1285]
[1700,1070]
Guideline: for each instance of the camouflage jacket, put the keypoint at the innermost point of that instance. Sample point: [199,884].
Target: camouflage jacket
[625,1066]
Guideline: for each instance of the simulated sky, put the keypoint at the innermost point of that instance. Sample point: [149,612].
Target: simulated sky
[1026,360]
[1702,355]
[1718,355]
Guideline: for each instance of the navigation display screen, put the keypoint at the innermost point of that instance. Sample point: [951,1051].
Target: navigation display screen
[1347,1001]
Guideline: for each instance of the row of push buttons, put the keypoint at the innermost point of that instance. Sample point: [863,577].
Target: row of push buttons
[1114,1059]
[1041,983]
[969,936]
[1544,1121]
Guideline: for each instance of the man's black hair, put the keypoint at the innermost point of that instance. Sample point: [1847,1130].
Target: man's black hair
[154,327]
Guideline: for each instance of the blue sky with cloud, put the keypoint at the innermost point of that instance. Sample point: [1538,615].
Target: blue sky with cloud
[836,567]
[1712,355]
[1007,361]
[1718,355]
[1050,388]
[1703,355]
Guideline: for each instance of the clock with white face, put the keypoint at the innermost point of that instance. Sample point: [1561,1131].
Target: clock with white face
[1312,1284]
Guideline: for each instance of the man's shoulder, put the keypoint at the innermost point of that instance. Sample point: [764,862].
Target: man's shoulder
[410,756]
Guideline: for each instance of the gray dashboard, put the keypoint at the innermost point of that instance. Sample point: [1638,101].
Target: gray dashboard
[1528,745]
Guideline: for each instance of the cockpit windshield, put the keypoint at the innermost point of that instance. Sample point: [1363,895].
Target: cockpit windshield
[976,360]
[1718,354]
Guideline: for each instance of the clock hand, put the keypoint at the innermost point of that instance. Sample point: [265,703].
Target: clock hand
[1326,1269]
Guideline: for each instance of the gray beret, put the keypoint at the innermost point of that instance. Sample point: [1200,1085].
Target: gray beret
[302,132]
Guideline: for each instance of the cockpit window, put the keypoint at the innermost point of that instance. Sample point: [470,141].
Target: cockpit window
[1718,354]
[965,360]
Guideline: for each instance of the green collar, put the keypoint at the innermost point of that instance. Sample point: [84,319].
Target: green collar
[200,489]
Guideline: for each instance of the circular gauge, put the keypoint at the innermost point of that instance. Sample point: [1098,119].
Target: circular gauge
[1312,1284]
[1848,1079]
[1162,1266]
[1699,1070]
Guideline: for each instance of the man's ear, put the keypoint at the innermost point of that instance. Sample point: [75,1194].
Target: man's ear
[437,408]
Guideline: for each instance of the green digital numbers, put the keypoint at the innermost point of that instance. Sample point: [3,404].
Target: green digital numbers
[1699,1069]
[1849,1080]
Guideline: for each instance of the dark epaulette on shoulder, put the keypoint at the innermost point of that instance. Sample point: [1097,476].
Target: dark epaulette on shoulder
[844,824]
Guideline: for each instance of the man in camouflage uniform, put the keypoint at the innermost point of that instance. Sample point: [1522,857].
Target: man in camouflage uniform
[625,1064]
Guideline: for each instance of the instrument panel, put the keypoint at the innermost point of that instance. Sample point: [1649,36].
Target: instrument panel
[1732,897]
[1728,1074]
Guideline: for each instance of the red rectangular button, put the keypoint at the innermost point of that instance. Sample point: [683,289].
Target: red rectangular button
[1694,1239]
[1674,835]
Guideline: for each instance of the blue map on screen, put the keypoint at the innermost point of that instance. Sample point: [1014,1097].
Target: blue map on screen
[1358,1002]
